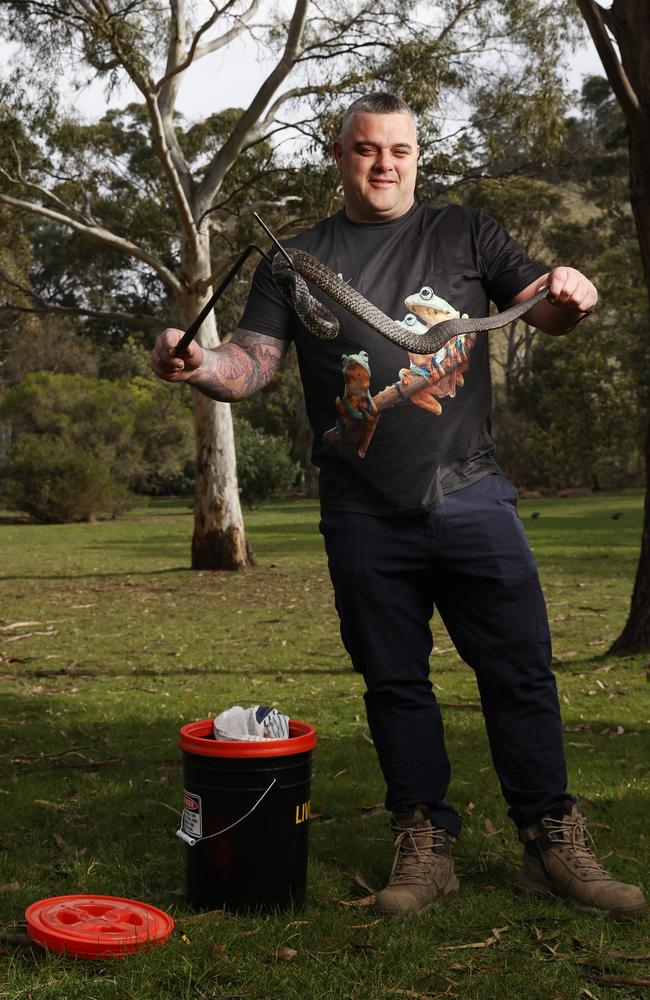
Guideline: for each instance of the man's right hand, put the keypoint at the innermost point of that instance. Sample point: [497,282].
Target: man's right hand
[170,368]
[230,372]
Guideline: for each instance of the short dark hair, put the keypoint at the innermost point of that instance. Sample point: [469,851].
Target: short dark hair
[380,103]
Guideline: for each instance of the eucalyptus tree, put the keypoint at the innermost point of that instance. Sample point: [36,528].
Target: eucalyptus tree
[171,211]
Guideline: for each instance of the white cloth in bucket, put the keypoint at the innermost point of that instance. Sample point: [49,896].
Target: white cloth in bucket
[259,722]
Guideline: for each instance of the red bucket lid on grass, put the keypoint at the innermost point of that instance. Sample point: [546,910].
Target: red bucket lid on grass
[96,926]
[198,738]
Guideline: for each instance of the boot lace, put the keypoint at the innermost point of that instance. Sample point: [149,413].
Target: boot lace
[574,835]
[415,852]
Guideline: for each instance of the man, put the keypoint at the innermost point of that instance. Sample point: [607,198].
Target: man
[415,512]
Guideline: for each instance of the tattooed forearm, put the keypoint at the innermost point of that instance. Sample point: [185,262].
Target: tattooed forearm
[239,368]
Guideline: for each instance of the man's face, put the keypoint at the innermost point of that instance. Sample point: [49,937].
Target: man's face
[378,163]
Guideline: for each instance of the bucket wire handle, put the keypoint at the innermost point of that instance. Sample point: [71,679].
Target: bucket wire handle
[193,841]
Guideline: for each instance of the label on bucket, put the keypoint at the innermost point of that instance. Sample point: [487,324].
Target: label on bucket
[191,822]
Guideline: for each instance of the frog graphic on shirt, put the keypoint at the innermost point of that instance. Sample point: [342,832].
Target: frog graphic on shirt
[357,411]
[443,370]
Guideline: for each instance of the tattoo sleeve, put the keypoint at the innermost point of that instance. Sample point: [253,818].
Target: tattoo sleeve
[239,368]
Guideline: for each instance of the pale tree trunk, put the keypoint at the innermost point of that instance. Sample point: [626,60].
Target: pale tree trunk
[219,539]
[628,71]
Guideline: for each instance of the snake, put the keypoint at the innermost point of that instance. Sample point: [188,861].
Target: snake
[293,268]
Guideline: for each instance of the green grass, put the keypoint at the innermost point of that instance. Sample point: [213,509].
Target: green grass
[131,644]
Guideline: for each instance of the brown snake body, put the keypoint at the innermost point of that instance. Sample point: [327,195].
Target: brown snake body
[292,283]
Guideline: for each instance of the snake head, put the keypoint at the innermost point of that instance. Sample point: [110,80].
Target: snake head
[293,287]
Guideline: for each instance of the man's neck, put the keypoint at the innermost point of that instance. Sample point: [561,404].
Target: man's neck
[376,218]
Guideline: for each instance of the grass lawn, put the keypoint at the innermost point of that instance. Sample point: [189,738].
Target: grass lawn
[108,644]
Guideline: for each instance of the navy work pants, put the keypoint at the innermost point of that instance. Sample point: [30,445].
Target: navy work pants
[470,559]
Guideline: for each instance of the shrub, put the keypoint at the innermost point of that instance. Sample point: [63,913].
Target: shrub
[264,466]
[81,443]
[56,481]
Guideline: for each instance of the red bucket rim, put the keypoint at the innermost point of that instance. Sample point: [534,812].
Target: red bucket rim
[196,737]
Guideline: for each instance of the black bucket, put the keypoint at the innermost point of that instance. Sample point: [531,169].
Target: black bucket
[245,818]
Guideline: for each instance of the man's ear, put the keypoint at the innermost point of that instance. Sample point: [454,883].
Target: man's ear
[337,149]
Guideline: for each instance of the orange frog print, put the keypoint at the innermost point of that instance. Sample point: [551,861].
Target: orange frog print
[357,413]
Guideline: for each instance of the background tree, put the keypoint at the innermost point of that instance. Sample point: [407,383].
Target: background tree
[621,35]
[569,412]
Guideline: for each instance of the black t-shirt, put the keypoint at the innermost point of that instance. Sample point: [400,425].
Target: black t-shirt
[403,460]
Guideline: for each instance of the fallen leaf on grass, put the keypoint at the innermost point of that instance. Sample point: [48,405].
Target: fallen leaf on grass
[618,980]
[494,937]
[252,933]
[375,809]
[552,950]
[491,829]
[364,901]
[198,916]
[10,628]
[373,923]
[165,805]
[322,818]
[10,886]
[339,774]
[584,992]
[361,882]
[27,635]
[542,936]
[53,805]
[62,844]
[282,954]
[645,957]
[295,923]
[409,993]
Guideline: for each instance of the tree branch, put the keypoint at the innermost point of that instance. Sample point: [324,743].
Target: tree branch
[257,132]
[43,306]
[224,159]
[139,319]
[21,179]
[165,141]
[197,51]
[167,94]
[594,16]
[105,236]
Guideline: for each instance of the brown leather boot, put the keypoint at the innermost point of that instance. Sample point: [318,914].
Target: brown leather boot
[558,859]
[423,868]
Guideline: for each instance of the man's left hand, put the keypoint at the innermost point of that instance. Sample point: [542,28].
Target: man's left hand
[569,287]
